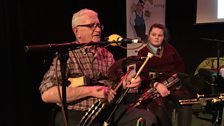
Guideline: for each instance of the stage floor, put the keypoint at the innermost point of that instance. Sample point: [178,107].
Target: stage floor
[199,117]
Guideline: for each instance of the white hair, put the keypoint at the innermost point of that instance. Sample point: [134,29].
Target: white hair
[76,18]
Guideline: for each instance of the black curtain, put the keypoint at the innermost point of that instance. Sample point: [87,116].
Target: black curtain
[31,22]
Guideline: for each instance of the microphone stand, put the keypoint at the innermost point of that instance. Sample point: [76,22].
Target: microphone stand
[71,45]
[218,115]
[62,50]
[63,57]
[218,57]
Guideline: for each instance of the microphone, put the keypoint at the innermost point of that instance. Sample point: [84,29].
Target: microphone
[114,40]
[214,40]
[118,38]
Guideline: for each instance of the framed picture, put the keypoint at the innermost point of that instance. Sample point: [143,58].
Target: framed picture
[141,14]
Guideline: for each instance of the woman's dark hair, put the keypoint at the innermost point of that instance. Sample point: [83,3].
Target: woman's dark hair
[165,31]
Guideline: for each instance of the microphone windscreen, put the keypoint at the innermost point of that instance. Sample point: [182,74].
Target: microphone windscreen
[114,37]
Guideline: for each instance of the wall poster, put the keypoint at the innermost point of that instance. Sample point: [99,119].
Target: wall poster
[140,15]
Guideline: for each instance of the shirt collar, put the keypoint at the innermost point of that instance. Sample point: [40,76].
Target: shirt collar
[153,48]
[88,49]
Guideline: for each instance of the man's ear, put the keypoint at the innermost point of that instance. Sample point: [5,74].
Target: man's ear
[75,30]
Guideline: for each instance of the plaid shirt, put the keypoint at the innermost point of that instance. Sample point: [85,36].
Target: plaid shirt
[91,62]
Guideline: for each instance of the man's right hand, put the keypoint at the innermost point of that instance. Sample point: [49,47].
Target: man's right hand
[162,89]
[103,92]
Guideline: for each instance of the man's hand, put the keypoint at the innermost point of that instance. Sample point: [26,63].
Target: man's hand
[162,89]
[103,92]
[131,82]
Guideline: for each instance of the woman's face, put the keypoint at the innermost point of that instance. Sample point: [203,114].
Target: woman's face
[156,37]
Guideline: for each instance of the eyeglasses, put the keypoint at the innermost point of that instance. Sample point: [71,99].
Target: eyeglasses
[92,26]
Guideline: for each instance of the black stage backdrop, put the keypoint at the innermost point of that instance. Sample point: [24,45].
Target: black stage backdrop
[30,22]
